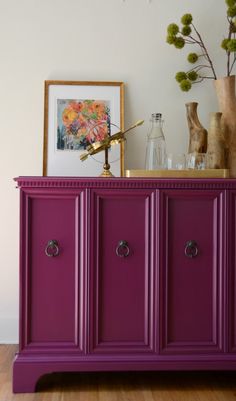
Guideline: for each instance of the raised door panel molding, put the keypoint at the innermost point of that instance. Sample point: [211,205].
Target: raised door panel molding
[192,278]
[232,271]
[122,274]
[52,272]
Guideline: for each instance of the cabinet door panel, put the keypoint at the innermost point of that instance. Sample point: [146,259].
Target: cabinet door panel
[191,287]
[52,295]
[232,272]
[122,287]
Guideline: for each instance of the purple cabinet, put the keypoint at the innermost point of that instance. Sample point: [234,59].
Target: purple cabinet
[125,274]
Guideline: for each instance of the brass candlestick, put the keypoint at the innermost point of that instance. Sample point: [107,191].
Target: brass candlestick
[97,147]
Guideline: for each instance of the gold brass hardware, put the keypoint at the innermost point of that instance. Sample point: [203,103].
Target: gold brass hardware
[97,147]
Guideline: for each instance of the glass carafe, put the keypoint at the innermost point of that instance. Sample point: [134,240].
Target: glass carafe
[156,145]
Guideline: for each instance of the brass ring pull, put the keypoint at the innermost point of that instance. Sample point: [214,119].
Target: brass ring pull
[122,249]
[52,248]
[191,249]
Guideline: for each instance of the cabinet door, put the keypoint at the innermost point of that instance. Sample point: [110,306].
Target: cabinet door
[121,293]
[191,271]
[232,271]
[51,272]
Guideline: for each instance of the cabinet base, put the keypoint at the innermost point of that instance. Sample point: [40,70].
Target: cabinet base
[28,370]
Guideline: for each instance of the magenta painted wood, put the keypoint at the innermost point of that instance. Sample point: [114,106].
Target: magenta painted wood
[51,287]
[191,288]
[232,272]
[121,287]
[88,309]
[52,279]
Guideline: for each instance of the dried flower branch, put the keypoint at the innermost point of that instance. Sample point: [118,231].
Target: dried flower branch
[189,35]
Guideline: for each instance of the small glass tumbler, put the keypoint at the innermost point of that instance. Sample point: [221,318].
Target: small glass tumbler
[176,161]
[197,161]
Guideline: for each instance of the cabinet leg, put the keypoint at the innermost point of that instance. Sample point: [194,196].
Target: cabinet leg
[26,376]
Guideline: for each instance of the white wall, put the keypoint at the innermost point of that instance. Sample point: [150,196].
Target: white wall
[96,40]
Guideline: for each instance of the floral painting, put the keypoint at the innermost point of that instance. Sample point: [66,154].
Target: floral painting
[81,122]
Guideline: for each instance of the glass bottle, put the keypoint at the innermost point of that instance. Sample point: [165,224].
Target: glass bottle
[156,145]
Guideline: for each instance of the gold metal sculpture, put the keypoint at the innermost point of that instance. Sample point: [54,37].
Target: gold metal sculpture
[99,146]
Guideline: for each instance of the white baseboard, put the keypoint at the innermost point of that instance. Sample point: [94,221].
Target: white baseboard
[9,330]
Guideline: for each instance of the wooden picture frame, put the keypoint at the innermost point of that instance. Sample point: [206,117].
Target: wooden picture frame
[77,113]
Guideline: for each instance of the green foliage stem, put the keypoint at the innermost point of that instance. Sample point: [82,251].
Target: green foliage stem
[188,34]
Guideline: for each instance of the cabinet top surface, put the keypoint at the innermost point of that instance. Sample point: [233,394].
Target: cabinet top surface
[123,182]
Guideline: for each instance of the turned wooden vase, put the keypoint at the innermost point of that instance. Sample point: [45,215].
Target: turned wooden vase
[225,90]
[197,133]
[216,143]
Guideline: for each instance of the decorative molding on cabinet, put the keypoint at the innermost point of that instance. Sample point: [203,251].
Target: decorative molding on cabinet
[129,183]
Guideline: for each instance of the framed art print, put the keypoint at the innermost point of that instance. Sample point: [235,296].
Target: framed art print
[77,114]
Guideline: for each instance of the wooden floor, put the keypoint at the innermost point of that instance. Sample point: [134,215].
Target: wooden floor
[147,386]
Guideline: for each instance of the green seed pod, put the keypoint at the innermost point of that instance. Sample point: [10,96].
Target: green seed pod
[179,43]
[231,12]
[192,58]
[192,75]
[186,30]
[180,76]
[186,19]
[230,3]
[224,44]
[185,85]
[170,39]
[232,45]
[173,29]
